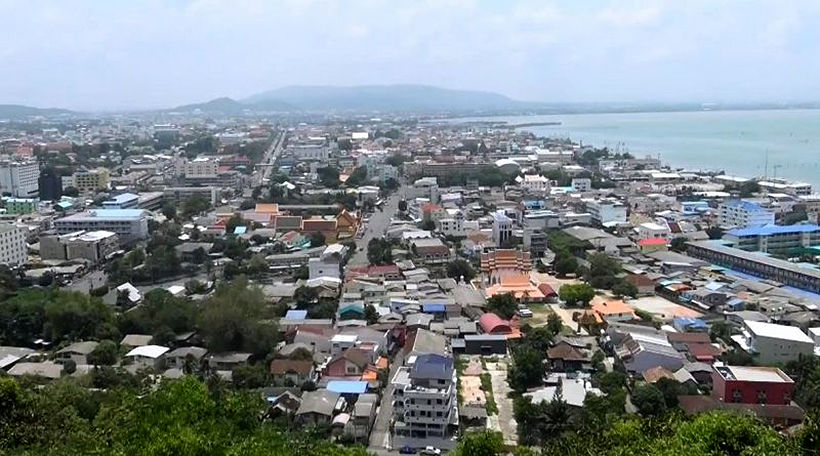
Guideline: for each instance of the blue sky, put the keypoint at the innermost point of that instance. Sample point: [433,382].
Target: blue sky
[139,54]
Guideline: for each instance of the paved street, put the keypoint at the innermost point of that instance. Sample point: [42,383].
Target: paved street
[376,227]
[380,434]
[271,155]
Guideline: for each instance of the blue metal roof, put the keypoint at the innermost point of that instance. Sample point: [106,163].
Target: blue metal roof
[433,308]
[240,230]
[124,198]
[746,205]
[767,230]
[296,314]
[347,386]
[690,322]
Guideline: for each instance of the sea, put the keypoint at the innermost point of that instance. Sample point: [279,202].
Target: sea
[773,143]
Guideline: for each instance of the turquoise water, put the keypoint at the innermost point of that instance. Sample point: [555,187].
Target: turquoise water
[734,141]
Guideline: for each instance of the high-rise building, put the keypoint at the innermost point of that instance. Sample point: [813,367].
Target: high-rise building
[13,249]
[425,398]
[50,184]
[741,214]
[19,179]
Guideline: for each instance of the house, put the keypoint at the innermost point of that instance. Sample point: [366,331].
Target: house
[294,371]
[640,351]
[431,250]
[350,363]
[612,310]
[363,416]
[493,324]
[751,385]
[136,340]
[181,357]
[318,407]
[481,344]
[689,324]
[46,370]
[772,343]
[77,352]
[147,356]
[227,361]
[564,357]
[645,285]
[318,338]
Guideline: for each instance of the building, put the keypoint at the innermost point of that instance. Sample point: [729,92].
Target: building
[493,324]
[88,181]
[771,343]
[430,250]
[792,274]
[147,356]
[200,167]
[425,398]
[123,201]
[328,264]
[94,246]
[501,263]
[129,224]
[743,213]
[606,211]
[774,238]
[651,230]
[502,228]
[612,310]
[13,248]
[426,187]
[19,206]
[50,184]
[751,385]
[535,183]
[179,195]
[581,184]
[19,179]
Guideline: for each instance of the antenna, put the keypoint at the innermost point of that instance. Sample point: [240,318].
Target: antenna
[766,164]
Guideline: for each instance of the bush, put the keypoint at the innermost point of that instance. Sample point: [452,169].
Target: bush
[99,291]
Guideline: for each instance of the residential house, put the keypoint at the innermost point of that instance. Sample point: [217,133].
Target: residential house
[318,407]
[772,343]
[77,352]
[294,371]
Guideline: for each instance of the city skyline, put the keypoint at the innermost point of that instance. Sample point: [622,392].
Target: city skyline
[93,55]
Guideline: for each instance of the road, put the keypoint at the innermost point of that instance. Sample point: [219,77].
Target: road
[376,227]
[86,283]
[380,434]
[271,156]
[501,392]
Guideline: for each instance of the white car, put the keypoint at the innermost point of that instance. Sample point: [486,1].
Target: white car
[431,451]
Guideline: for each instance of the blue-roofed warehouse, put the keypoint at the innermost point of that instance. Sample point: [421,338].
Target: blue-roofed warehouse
[774,238]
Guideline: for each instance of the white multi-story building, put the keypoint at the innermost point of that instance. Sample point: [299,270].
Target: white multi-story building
[502,228]
[606,211]
[772,344]
[129,224]
[652,230]
[13,249]
[426,187]
[741,213]
[581,184]
[328,264]
[200,167]
[425,399]
[19,179]
[535,183]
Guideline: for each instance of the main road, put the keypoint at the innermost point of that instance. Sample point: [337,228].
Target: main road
[376,227]
[269,159]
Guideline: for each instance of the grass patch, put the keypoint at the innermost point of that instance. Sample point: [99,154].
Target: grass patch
[487,387]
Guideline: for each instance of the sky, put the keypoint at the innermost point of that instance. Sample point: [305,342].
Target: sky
[107,55]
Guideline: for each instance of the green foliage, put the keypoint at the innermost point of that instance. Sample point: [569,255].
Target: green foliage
[106,353]
[527,369]
[623,288]
[317,239]
[370,314]
[541,422]
[487,387]
[160,311]
[485,443]
[649,400]
[678,244]
[576,294]
[602,270]
[195,205]
[358,177]
[503,305]
[233,319]
[805,371]
[610,382]
[720,330]
[714,232]
[554,323]
[328,176]
[540,338]
[379,251]
[459,268]
[402,206]
[169,210]
[254,376]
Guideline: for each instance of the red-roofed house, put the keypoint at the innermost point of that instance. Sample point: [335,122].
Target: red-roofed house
[652,245]
[613,310]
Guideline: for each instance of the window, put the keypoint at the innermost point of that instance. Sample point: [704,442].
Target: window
[761,396]
[737,396]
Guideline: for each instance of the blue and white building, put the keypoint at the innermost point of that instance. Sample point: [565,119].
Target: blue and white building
[774,238]
[130,225]
[742,213]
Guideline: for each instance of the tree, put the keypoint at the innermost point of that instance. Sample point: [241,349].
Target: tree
[370,314]
[106,353]
[71,191]
[379,251]
[328,176]
[610,382]
[565,264]
[649,400]
[402,206]
[428,225]
[527,369]
[602,270]
[623,288]
[253,376]
[194,205]
[576,294]
[317,239]
[503,305]
[358,177]
[679,244]
[169,210]
[720,330]
[714,232]
[484,443]
[305,297]
[554,324]
[460,269]
[540,338]
[749,188]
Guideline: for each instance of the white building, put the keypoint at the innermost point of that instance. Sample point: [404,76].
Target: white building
[147,356]
[772,344]
[741,213]
[129,224]
[535,183]
[200,167]
[606,211]
[19,179]
[426,187]
[502,228]
[651,230]
[425,399]
[581,184]
[328,264]
[13,249]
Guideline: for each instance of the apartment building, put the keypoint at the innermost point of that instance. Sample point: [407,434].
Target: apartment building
[771,343]
[743,213]
[20,206]
[13,248]
[425,398]
[200,167]
[502,228]
[129,224]
[19,179]
[774,238]
[179,195]
[606,211]
[93,246]
[88,181]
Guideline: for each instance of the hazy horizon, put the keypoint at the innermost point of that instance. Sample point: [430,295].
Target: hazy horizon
[99,55]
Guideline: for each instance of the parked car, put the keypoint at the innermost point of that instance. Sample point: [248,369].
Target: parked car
[431,451]
[407,450]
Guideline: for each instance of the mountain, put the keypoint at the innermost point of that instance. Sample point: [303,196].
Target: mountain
[404,97]
[11,111]
[222,105]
